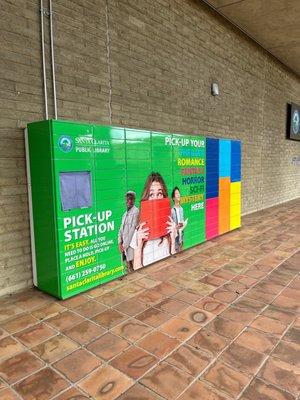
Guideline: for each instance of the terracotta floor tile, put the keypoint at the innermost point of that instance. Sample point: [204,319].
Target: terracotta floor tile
[90,308]
[259,390]
[295,284]
[268,325]
[269,286]
[242,359]
[161,274]
[72,394]
[9,347]
[112,298]
[153,317]
[245,280]
[75,301]
[293,335]
[3,333]
[108,346]
[213,280]
[134,362]
[35,335]
[294,260]
[200,288]
[65,320]
[109,318]
[282,316]
[196,315]
[281,275]
[8,394]
[208,341]
[106,383]
[84,332]
[260,295]
[235,267]
[226,379]
[48,311]
[55,348]
[255,272]
[158,344]
[186,296]
[9,311]
[131,289]
[179,328]
[281,374]
[18,367]
[224,274]
[249,304]
[138,392]
[291,293]
[225,327]
[171,305]
[98,291]
[224,296]
[150,297]
[132,329]
[167,381]
[131,307]
[235,287]
[188,359]
[42,385]
[33,299]
[166,289]
[287,303]
[77,365]
[288,352]
[296,323]
[211,305]
[226,284]
[201,391]
[19,323]
[239,315]
[148,283]
[257,340]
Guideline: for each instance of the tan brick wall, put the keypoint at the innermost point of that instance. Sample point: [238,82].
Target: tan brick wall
[163,56]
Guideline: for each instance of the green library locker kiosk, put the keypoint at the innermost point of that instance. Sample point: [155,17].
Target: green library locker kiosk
[105,201]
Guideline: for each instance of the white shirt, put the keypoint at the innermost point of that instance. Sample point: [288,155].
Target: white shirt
[154,250]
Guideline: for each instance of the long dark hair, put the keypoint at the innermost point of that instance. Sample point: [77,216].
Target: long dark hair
[154,177]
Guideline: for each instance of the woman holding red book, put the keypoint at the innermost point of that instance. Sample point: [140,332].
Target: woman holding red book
[147,247]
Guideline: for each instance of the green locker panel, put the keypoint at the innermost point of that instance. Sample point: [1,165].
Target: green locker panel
[108,200]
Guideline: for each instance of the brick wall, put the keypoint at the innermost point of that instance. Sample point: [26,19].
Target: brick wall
[146,64]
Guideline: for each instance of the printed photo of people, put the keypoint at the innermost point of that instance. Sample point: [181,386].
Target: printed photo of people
[149,245]
[127,229]
[155,230]
[178,218]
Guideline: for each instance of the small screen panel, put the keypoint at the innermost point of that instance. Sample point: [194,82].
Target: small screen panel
[75,190]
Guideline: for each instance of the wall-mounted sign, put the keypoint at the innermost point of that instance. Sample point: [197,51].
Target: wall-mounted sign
[107,201]
[293,122]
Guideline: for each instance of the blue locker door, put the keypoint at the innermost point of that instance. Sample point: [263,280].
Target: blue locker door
[212,168]
[225,158]
[235,171]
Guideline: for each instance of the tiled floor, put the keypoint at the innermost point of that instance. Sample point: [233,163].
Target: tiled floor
[220,321]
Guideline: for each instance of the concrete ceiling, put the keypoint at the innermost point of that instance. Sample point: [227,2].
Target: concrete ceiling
[274,24]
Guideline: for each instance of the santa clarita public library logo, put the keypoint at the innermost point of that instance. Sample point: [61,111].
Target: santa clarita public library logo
[65,143]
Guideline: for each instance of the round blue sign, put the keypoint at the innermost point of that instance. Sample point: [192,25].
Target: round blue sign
[65,144]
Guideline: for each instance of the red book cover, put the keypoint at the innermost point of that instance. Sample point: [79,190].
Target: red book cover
[156,214]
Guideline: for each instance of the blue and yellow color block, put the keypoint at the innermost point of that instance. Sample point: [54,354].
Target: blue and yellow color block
[223,186]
